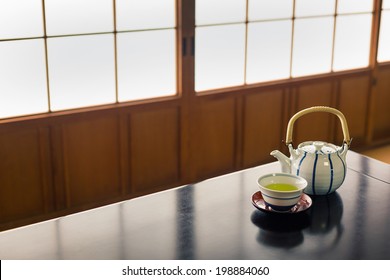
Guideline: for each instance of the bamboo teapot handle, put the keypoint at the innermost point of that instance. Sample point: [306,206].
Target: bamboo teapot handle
[344,125]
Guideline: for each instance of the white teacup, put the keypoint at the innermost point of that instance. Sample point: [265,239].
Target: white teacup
[281,191]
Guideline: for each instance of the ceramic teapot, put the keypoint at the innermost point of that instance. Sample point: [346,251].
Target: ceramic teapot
[322,164]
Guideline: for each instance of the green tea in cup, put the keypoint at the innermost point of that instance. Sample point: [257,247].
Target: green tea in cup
[281,191]
[281,187]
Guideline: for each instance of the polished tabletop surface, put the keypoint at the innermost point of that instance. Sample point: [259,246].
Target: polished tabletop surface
[215,219]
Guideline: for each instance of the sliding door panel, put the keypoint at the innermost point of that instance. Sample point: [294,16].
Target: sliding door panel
[154,149]
[213,137]
[262,126]
[91,160]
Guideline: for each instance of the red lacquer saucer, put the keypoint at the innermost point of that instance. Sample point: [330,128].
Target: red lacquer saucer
[303,204]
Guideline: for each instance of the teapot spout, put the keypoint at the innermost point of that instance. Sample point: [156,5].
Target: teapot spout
[343,151]
[285,162]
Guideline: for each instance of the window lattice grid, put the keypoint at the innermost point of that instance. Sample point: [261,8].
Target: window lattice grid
[328,23]
[79,52]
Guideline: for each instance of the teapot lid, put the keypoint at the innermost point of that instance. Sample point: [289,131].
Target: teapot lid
[318,147]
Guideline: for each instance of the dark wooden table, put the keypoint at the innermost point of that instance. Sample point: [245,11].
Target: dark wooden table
[215,219]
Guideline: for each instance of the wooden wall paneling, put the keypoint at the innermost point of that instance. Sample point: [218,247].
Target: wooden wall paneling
[58,166]
[25,189]
[314,126]
[124,138]
[353,103]
[289,108]
[263,118]
[381,112]
[186,172]
[91,154]
[154,149]
[45,152]
[239,132]
[213,136]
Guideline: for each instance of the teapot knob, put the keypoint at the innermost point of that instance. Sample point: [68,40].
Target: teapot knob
[318,145]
